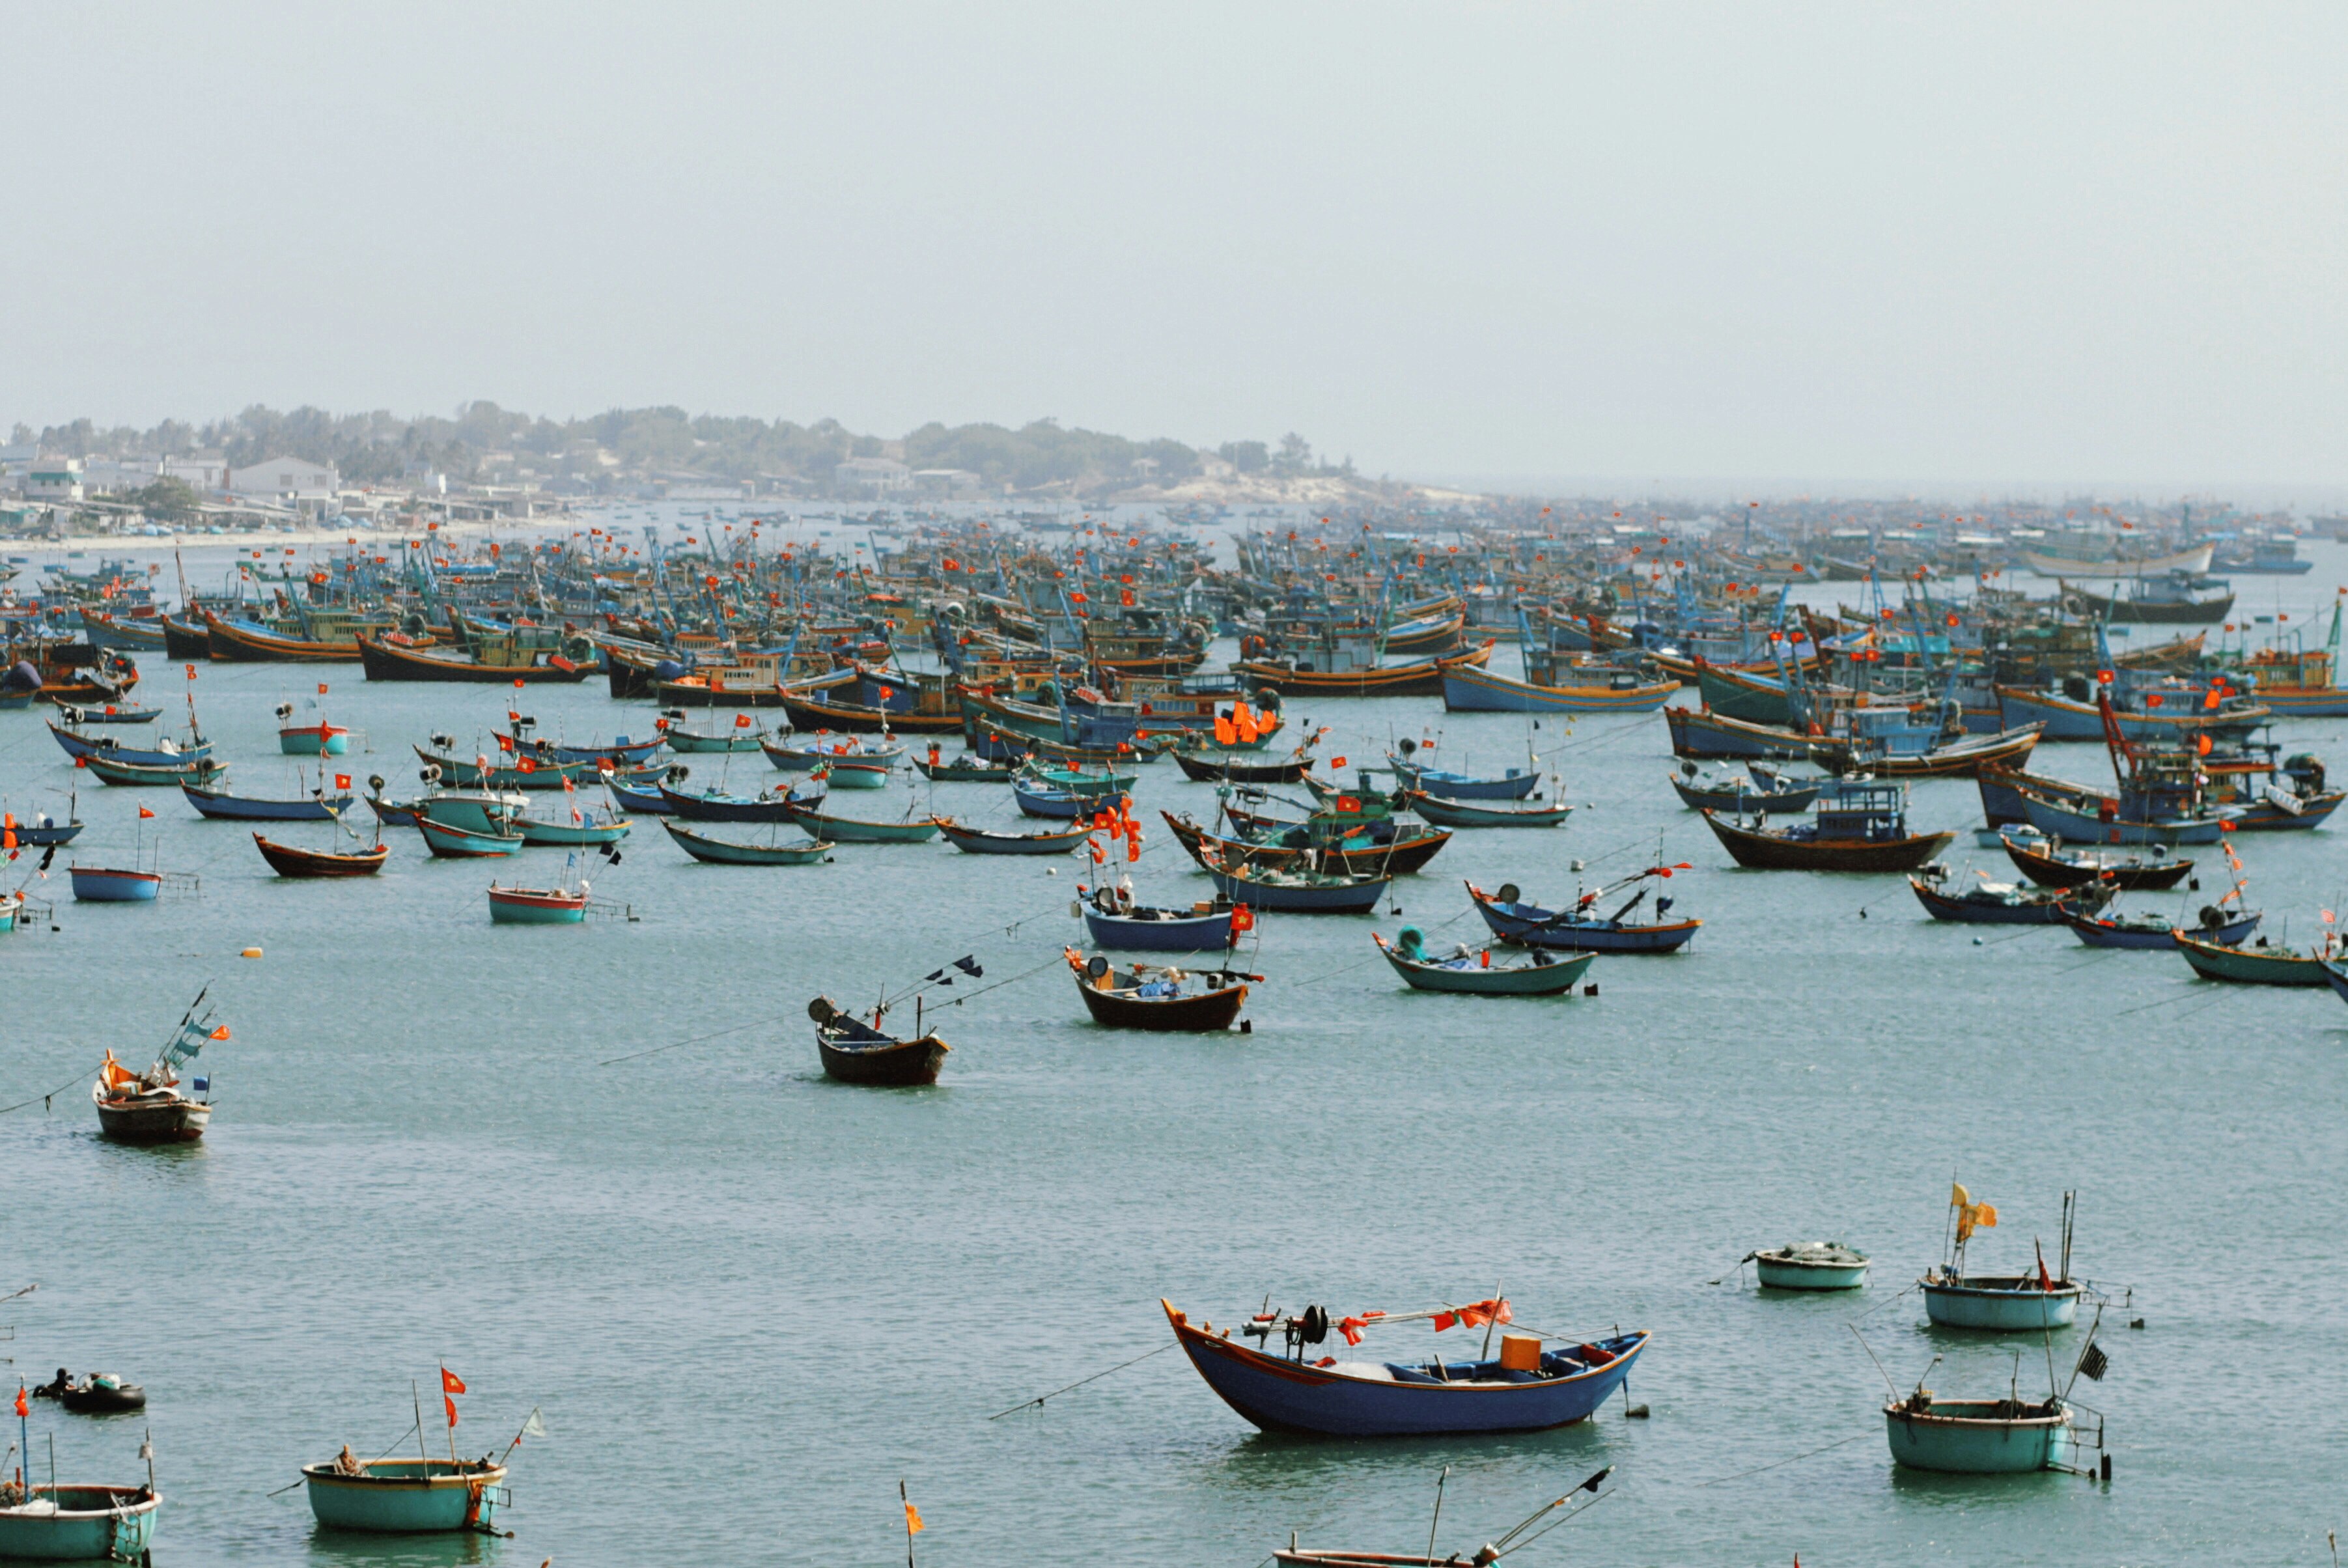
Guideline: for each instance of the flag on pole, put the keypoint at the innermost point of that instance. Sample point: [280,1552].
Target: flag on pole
[534,1428]
[22,1409]
[144,812]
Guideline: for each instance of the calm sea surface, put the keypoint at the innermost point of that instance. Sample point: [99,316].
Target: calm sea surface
[748,1301]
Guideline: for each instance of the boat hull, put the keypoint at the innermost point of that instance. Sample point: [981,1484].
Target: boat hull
[2077,827]
[977,841]
[1354,898]
[1541,978]
[222,806]
[1201,1012]
[314,740]
[2097,932]
[1786,1274]
[853,831]
[2001,1306]
[1424,679]
[98,885]
[2247,967]
[1765,851]
[725,852]
[153,1121]
[1471,690]
[90,1524]
[1533,926]
[1127,933]
[1448,814]
[289,861]
[536,906]
[1971,1439]
[407,1497]
[898,1064]
[457,844]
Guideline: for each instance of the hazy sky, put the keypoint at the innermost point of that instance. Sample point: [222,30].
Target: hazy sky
[1880,243]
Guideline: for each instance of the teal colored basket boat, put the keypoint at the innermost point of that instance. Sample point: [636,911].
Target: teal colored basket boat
[2251,965]
[1810,1265]
[729,853]
[1543,974]
[2000,1303]
[80,1524]
[1977,1437]
[407,1497]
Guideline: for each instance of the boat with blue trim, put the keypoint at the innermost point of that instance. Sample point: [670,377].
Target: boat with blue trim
[1116,921]
[1527,1388]
[1582,930]
[1470,972]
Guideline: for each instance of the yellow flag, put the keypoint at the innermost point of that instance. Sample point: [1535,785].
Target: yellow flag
[1958,1197]
[1985,1216]
[913,1525]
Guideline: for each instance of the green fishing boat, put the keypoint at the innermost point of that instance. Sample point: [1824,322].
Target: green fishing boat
[855,831]
[2252,965]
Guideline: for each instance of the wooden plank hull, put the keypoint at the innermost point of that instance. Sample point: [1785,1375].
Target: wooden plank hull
[290,860]
[1768,852]
[1421,679]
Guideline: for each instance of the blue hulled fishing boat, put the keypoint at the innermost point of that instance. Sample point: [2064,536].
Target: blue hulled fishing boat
[1527,1388]
[1582,929]
[1116,921]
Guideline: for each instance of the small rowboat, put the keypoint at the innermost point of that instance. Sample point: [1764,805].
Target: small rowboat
[536,907]
[726,740]
[816,750]
[1052,801]
[856,1052]
[131,773]
[1475,974]
[1758,790]
[1205,927]
[407,1497]
[2006,904]
[102,884]
[393,814]
[288,860]
[70,1523]
[2252,965]
[1219,767]
[1578,930]
[638,803]
[1296,893]
[450,843]
[1976,1437]
[320,739]
[2004,1304]
[111,714]
[1811,1265]
[979,842]
[728,853]
[712,805]
[855,831]
[572,835]
[2050,866]
[221,805]
[965,769]
[171,754]
[1148,997]
[2157,933]
[1445,814]
[1515,785]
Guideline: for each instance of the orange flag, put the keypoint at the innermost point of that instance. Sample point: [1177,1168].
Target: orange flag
[22,1409]
[450,1406]
[143,811]
[913,1525]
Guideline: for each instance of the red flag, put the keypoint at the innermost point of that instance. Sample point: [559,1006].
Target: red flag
[505,743]
[450,1383]
[2045,1281]
[527,765]
[322,689]
[450,1406]
[23,1409]
[741,721]
[341,780]
[143,811]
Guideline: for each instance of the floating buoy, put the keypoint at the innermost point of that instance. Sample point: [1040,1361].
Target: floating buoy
[1051,871]
[1977,942]
[249,953]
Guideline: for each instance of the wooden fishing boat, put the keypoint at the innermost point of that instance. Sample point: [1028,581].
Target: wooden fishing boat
[1527,1388]
[629,801]
[1424,678]
[2157,933]
[149,1107]
[490,812]
[1987,902]
[320,739]
[2049,865]
[1580,929]
[1115,921]
[979,842]
[2065,718]
[233,640]
[186,638]
[1516,784]
[1522,1533]
[1149,997]
[1448,814]
[167,754]
[1810,1265]
[407,1497]
[109,884]
[1760,789]
[964,769]
[1355,854]
[803,754]
[1261,887]
[221,805]
[719,852]
[2254,965]
[1471,689]
[747,739]
[130,633]
[621,753]
[73,1522]
[291,861]
[44,829]
[2097,819]
[530,772]
[1221,768]
[1038,799]
[855,1052]
[536,907]
[856,831]
[715,806]
[1474,974]
[108,713]
[1976,1437]
[587,832]
[388,661]
[450,843]
[1860,826]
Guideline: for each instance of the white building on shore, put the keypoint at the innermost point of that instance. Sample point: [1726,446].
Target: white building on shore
[284,480]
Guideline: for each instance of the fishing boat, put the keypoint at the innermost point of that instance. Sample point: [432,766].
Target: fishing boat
[1527,1388]
[720,852]
[221,805]
[981,842]
[2256,964]
[165,753]
[825,750]
[492,812]
[134,775]
[387,660]
[530,772]
[1977,1437]
[1152,996]
[450,843]
[746,735]
[1859,825]
[1522,1533]
[2099,818]
[100,1393]
[1759,788]
[1472,973]
[2050,865]
[406,1497]
[44,829]
[109,884]
[73,1522]
[1263,887]
[232,639]
[1448,814]
[2004,1304]
[1987,902]
[290,860]
[1582,929]
[319,739]
[631,801]
[716,806]
[858,830]
[149,1107]
[967,769]
[1209,767]
[1468,689]
[108,713]
[521,905]
[856,1052]
[1116,921]
[2157,933]
[1516,784]
[1051,802]
[1810,1265]
[582,831]
[1295,677]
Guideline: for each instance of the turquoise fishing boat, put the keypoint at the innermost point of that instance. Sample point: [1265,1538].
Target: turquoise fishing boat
[70,1523]
[588,829]
[1810,1265]
[1444,813]
[1999,1303]
[2252,966]
[1474,974]
[1977,1437]
[459,844]
[407,1497]
[719,852]
[855,831]
[536,907]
